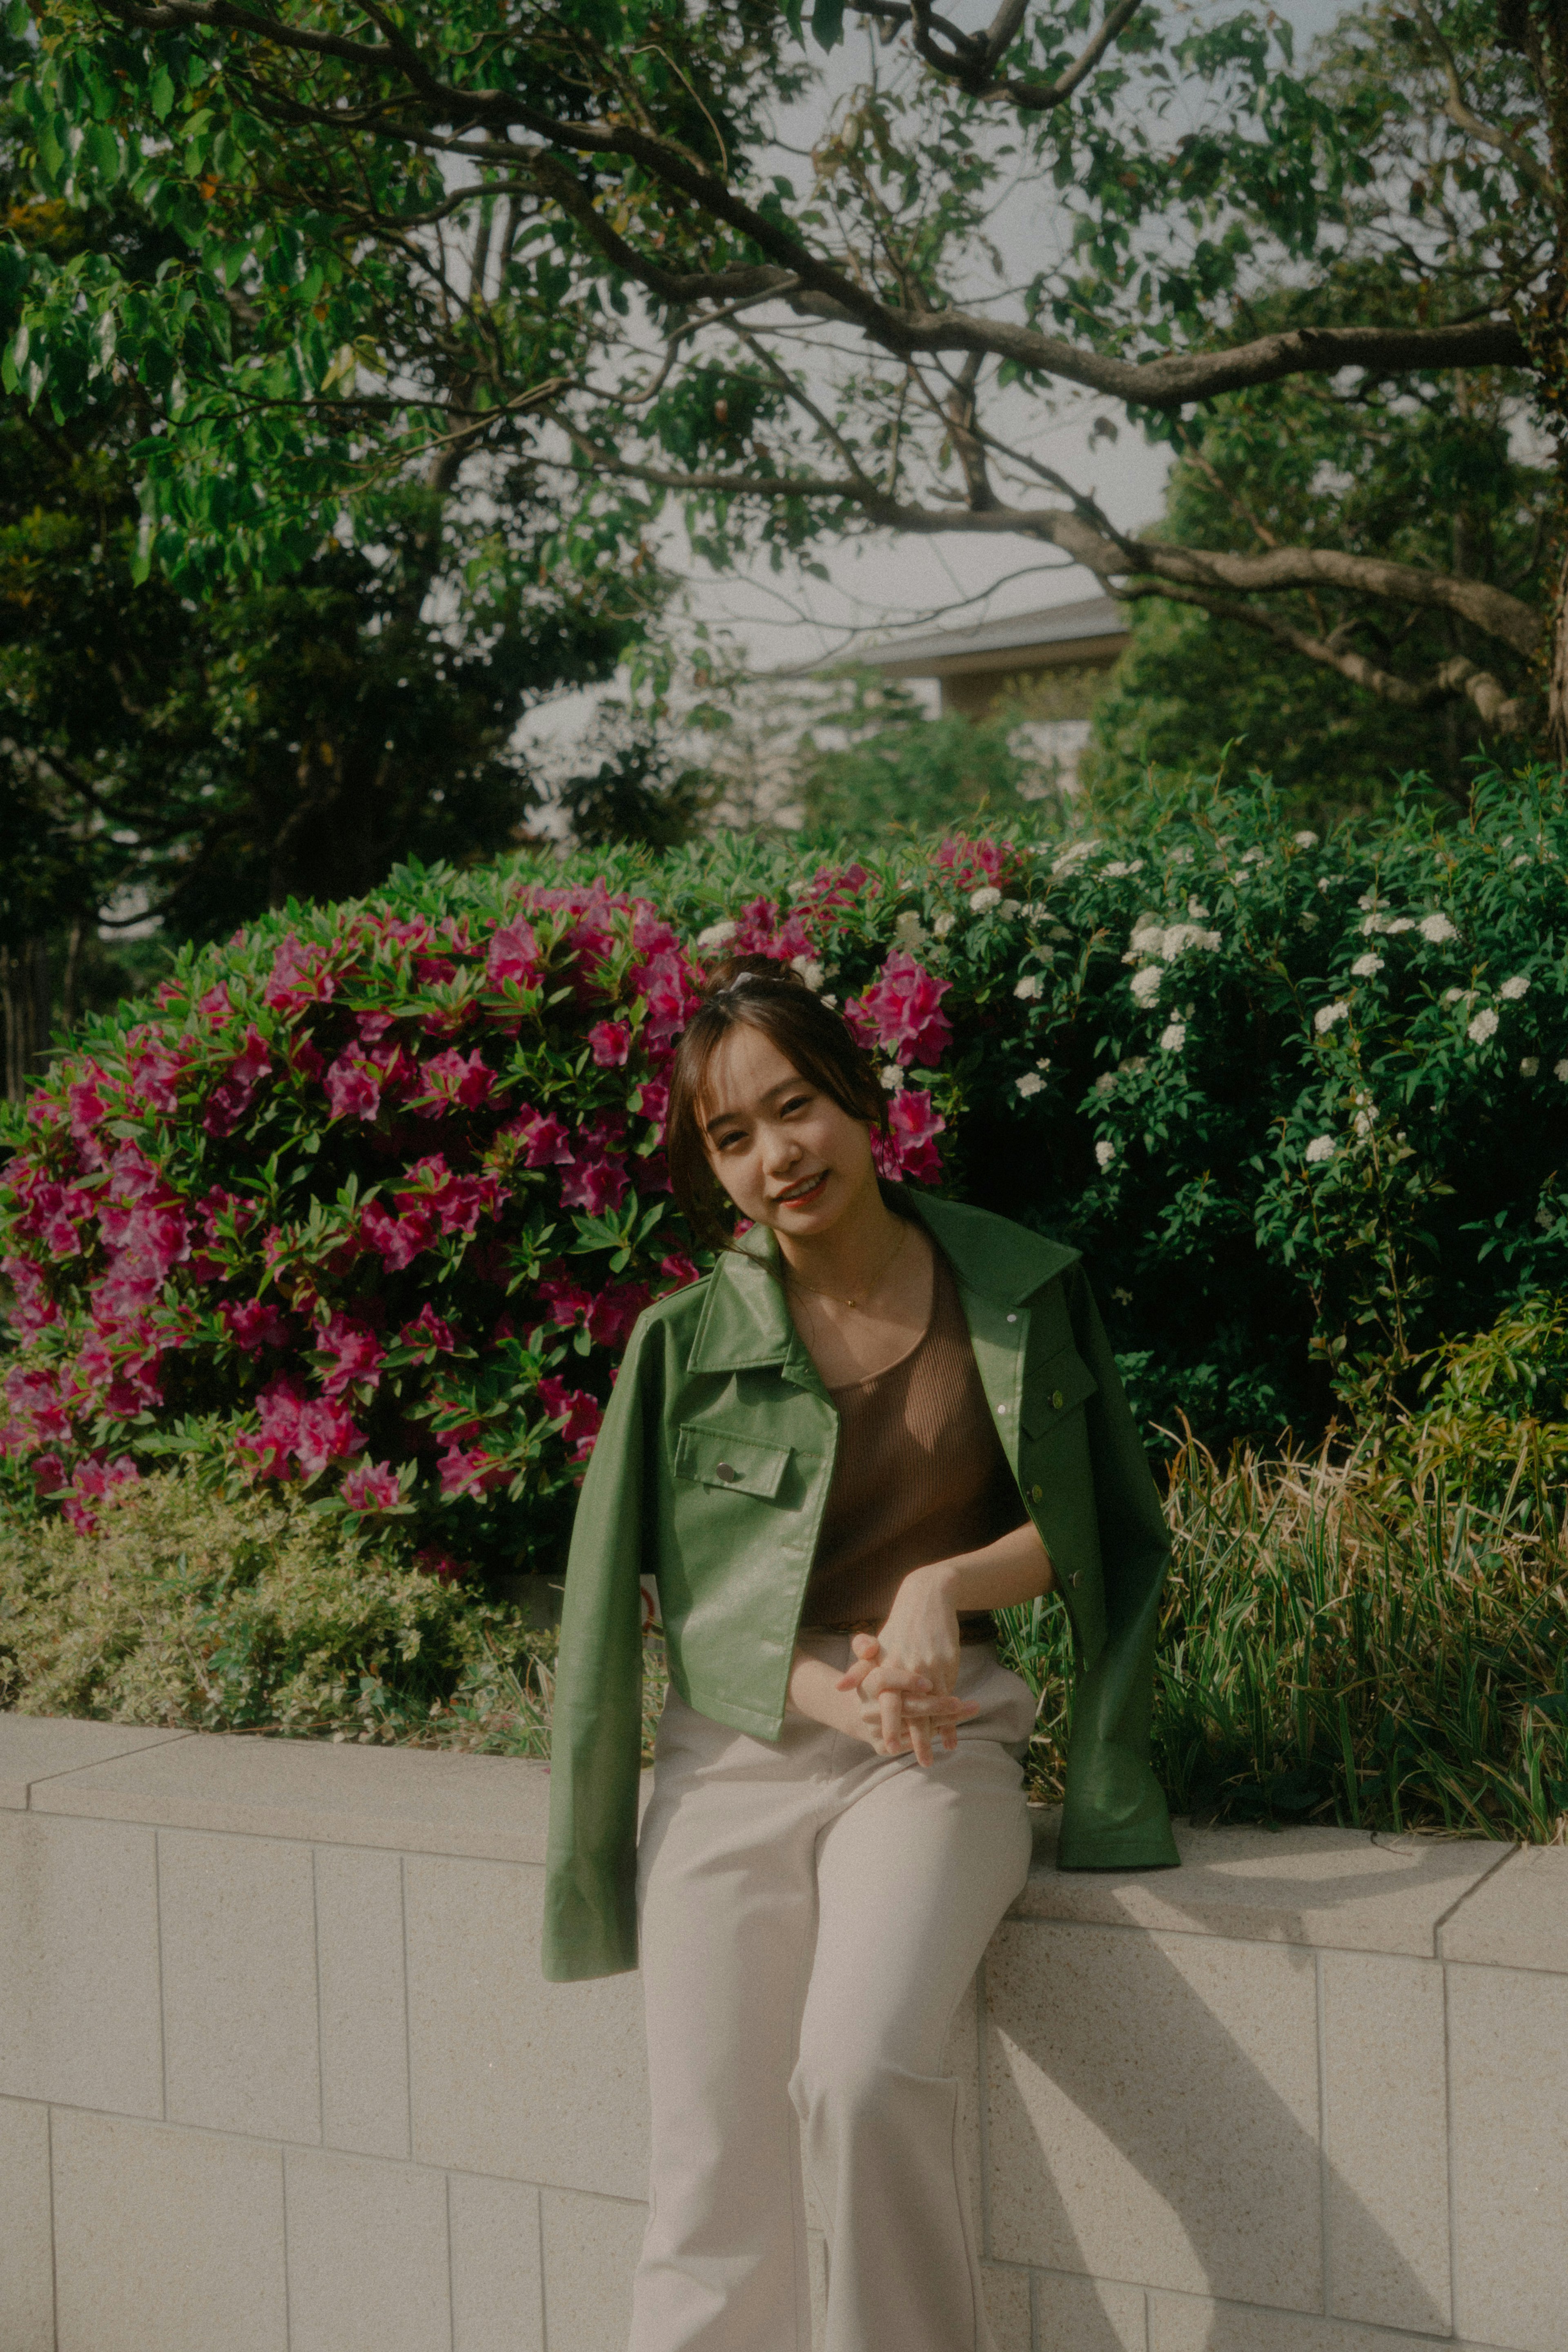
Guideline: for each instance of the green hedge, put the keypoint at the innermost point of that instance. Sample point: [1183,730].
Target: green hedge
[1301,1103]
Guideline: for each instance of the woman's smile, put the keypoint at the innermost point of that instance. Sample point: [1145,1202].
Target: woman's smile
[807,1189]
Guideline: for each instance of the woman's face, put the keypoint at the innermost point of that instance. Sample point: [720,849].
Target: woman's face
[782,1150]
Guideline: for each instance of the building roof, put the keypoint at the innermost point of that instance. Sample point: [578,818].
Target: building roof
[1059,632]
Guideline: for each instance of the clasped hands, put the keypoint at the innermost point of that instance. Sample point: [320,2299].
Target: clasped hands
[903,1677]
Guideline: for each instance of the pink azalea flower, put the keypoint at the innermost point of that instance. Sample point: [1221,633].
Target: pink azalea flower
[678,1270]
[514,955]
[610,1042]
[653,1101]
[453,1081]
[612,1312]
[307,1059]
[153,1080]
[254,1324]
[910,1149]
[901,1013]
[594,1182]
[354,1087]
[581,1413]
[31,1308]
[469,1470]
[441,1564]
[547,1143]
[671,994]
[398,1240]
[564,1299]
[48,1474]
[354,1354]
[87,1105]
[971,862]
[299,978]
[373,1486]
[427,1330]
[754,929]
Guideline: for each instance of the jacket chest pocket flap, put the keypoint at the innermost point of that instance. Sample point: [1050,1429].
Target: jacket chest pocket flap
[734,1464]
[1054,1389]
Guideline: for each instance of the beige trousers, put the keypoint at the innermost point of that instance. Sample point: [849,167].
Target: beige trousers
[810,1914]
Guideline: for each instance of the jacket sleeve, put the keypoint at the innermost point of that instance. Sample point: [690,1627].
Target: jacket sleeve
[591,1862]
[1115,1815]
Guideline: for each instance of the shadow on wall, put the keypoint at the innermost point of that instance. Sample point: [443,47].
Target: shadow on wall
[1158,2113]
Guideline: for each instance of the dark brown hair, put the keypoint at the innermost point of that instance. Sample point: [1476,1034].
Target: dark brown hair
[765,994]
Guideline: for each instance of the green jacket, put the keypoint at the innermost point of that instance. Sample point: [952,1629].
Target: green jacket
[711,1472]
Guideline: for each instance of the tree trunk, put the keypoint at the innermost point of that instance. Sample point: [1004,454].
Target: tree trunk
[24,1000]
[1557,676]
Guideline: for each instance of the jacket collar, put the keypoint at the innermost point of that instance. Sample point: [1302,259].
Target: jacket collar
[746,1320]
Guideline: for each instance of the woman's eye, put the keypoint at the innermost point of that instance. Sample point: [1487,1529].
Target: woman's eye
[796,1102]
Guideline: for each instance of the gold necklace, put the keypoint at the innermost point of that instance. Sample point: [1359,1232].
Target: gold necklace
[870,1285]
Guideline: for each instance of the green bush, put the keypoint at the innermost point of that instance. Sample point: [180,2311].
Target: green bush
[1300,1102]
[257,1613]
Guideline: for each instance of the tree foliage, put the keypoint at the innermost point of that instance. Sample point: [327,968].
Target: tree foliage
[640,248]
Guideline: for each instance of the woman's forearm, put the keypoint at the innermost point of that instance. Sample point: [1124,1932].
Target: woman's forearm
[1016,1568]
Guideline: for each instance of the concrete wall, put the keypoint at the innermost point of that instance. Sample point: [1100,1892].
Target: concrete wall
[278,2073]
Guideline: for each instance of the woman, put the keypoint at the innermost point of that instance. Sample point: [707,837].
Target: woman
[879,1418]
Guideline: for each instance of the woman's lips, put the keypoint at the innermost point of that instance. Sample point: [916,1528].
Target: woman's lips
[808,1192]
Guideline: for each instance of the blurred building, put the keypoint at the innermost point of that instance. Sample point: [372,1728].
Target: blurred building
[1047,668]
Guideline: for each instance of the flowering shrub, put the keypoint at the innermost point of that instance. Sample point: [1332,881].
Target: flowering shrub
[368,1202]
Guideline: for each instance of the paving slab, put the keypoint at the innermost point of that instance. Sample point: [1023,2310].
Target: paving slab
[1518,1918]
[1332,1889]
[487,1808]
[37,1747]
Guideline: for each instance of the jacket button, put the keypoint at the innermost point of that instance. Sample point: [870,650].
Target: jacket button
[727,1472]
[1002,1408]
[1056,1400]
[1012,1318]
[1035,1493]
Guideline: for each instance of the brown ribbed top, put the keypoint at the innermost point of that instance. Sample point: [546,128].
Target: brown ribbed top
[920,1473]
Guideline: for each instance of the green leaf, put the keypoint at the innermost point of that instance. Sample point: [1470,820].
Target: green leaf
[827,23]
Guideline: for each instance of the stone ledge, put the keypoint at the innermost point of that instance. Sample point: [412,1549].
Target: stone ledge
[35,1748]
[1518,1920]
[416,1801]
[1332,1889]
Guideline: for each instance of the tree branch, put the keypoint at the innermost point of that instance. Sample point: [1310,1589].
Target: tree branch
[1452,679]
[821,289]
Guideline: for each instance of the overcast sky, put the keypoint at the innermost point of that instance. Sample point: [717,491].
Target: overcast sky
[887,581]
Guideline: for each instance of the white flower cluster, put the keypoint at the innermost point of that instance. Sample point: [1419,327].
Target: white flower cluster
[1119,867]
[1514,987]
[943,925]
[1559,1072]
[1483,1027]
[1182,857]
[1173,1037]
[1390,927]
[1320,1148]
[1105,1152]
[1153,936]
[1146,984]
[1529,1065]
[1305,840]
[982,901]
[1030,987]
[1030,1084]
[909,931]
[809,970]
[892,1077]
[1437,929]
[1196,909]
[1073,855]
[1327,1015]
[715,935]
[1366,966]
[1010,908]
